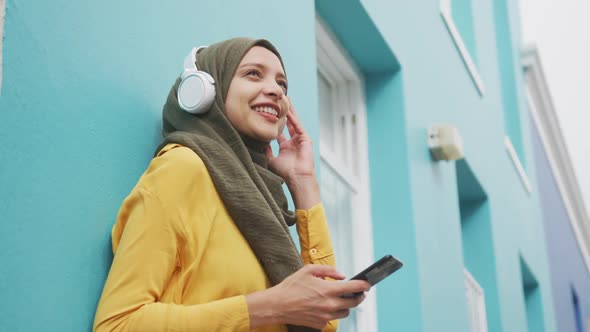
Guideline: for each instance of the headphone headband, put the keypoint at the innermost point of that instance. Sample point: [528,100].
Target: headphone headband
[190,62]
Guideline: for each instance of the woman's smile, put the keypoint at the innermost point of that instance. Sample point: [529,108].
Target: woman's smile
[268,111]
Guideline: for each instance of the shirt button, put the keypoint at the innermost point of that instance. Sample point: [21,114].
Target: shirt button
[313,251]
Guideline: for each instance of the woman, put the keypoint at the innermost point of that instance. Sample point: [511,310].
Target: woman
[201,243]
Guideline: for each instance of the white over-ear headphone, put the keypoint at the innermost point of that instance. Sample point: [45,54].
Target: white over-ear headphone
[196,91]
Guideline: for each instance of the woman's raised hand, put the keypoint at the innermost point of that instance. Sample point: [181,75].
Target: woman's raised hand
[295,158]
[295,163]
[306,299]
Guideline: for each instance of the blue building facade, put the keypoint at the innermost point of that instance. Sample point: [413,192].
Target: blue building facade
[564,214]
[82,90]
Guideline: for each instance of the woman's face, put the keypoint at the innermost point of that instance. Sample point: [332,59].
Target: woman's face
[256,104]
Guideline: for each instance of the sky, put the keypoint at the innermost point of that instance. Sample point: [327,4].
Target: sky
[561,32]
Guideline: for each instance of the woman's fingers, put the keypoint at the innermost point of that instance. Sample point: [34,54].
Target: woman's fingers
[305,298]
[338,288]
[290,126]
[341,314]
[281,138]
[352,287]
[323,271]
[291,123]
[295,121]
[352,302]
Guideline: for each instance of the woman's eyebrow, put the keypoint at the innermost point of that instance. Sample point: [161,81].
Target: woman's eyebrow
[255,64]
[261,66]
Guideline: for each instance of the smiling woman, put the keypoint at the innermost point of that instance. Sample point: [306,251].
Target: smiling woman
[202,241]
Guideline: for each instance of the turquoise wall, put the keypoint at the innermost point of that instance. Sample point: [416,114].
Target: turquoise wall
[462,12]
[437,88]
[83,87]
[508,53]
[477,239]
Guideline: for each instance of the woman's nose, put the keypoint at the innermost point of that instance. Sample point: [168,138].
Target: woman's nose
[273,89]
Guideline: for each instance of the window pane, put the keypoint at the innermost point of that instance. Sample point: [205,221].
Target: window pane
[337,198]
[355,146]
[326,120]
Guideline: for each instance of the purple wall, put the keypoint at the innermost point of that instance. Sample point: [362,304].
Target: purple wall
[568,270]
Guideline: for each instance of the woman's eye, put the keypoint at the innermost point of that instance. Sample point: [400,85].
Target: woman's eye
[253,73]
[283,84]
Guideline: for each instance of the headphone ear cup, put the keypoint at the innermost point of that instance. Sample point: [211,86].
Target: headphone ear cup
[196,91]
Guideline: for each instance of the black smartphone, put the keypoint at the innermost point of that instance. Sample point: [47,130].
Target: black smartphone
[378,271]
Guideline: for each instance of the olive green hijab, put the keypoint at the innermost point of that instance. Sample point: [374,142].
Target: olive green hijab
[252,194]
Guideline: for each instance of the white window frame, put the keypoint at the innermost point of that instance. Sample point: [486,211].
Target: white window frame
[335,65]
[476,304]
[447,17]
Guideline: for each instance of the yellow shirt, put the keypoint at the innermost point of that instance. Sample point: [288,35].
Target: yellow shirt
[180,262]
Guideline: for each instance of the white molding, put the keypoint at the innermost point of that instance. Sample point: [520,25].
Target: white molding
[547,123]
[337,55]
[446,14]
[339,168]
[476,303]
[517,165]
[334,63]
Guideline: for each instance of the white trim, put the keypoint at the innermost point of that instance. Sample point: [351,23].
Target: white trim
[337,55]
[517,165]
[446,14]
[337,166]
[476,303]
[547,123]
[335,64]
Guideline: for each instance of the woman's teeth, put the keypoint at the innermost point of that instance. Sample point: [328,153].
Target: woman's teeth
[268,110]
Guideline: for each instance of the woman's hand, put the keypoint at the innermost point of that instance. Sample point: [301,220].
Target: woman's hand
[295,158]
[295,163]
[305,299]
